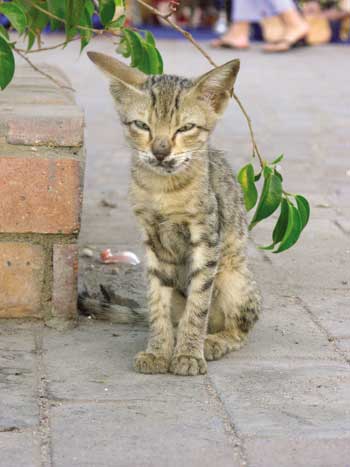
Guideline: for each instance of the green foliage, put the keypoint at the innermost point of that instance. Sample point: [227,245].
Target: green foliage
[293,215]
[29,18]
[247,180]
[7,63]
[106,10]
[142,51]
[15,15]
[270,197]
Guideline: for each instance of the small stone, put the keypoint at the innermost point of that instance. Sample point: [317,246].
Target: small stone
[87,253]
[106,203]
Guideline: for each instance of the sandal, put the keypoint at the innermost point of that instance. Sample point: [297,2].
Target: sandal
[222,44]
[285,45]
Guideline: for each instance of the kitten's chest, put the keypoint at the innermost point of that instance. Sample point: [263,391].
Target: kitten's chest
[174,237]
[167,219]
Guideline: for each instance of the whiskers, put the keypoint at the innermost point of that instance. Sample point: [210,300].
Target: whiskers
[174,163]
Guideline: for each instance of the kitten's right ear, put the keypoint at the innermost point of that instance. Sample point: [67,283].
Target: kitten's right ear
[123,78]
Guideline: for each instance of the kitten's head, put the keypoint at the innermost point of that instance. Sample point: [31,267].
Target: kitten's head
[167,119]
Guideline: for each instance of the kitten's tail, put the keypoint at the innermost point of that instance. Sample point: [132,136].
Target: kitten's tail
[110,307]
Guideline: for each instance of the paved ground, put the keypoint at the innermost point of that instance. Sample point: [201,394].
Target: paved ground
[73,399]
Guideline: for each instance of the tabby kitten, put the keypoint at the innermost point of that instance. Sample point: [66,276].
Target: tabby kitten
[202,298]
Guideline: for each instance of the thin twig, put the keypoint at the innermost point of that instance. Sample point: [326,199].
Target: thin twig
[42,72]
[189,36]
[179,29]
[42,49]
[251,131]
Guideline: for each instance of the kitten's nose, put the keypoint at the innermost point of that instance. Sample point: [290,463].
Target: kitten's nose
[161,148]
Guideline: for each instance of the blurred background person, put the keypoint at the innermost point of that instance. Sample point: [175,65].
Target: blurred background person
[244,12]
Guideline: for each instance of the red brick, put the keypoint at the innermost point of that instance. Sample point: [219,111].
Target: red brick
[65,279]
[39,195]
[21,279]
[57,125]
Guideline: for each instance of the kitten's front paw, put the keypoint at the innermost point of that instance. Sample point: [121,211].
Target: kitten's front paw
[186,365]
[150,363]
[215,348]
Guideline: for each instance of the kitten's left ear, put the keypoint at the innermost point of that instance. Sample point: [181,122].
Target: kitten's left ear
[216,86]
[125,80]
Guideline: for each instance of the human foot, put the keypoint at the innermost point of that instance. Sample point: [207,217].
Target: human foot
[229,43]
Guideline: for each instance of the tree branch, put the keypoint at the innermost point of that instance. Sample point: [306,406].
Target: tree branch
[42,72]
[42,49]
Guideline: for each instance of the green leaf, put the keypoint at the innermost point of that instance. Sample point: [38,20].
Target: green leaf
[257,176]
[269,247]
[7,64]
[73,13]
[279,158]
[90,7]
[120,3]
[293,230]
[16,16]
[247,182]
[31,39]
[106,10]
[279,175]
[160,63]
[57,8]
[85,34]
[267,170]
[118,23]
[270,197]
[149,38]
[123,48]
[37,21]
[304,210]
[152,55]
[3,33]
[282,222]
[280,226]
[136,49]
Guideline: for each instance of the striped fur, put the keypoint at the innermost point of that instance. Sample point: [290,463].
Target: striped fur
[202,298]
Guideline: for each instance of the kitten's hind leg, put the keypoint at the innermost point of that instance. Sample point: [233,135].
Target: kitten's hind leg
[237,299]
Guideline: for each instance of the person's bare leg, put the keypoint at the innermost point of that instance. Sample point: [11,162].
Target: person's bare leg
[295,29]
[237,36]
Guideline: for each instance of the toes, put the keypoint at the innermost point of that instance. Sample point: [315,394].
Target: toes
[215,349]
[150,363]
[185,365]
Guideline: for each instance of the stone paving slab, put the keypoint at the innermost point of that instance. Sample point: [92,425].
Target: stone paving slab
[17,335]
[298,452]
[18,450]
[141,433]
[100,357]
[285,398]
[18,403]
[285,333]
[332,312]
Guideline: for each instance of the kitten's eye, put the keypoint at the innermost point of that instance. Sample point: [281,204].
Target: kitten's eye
[187,127]
[141,125]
